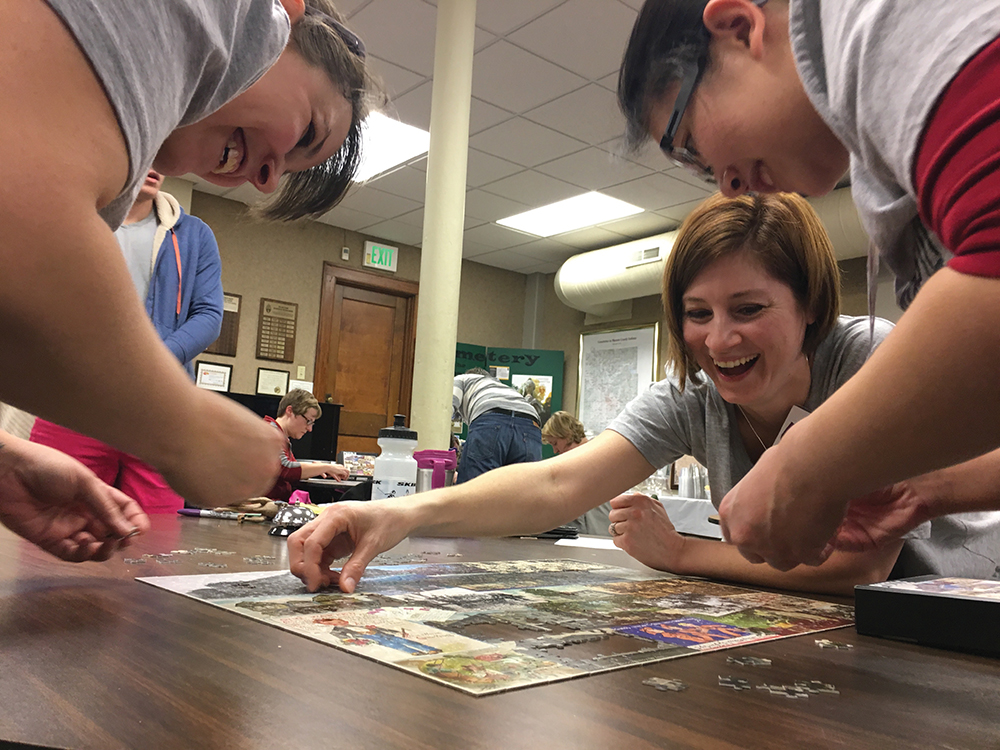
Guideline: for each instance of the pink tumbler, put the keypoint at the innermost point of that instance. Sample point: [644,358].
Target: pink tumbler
[435,469]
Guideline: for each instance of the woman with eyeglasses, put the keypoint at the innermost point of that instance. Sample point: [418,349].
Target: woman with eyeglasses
[768,95]
[246,91]
[298,411]
[751,294]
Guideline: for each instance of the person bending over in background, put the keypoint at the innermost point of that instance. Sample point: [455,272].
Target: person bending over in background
[751,293]
[503,425]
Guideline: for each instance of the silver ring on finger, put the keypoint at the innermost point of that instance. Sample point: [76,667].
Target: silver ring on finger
[613,529]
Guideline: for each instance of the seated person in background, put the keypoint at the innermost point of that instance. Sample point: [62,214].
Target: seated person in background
[751,292]
[174,262]
[297,412]
[564,432]
[503,425]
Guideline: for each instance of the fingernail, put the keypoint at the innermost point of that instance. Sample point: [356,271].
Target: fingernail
[132,533]
[348,584]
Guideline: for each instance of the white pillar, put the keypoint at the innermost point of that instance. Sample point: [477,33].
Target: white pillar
[444,223]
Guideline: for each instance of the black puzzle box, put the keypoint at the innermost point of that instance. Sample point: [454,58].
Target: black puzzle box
[962,614]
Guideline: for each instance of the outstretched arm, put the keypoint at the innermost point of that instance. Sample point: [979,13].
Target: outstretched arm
[646,533]
[519,499]
[67,307]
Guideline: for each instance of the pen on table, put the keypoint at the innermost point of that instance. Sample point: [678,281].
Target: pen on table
[227,515]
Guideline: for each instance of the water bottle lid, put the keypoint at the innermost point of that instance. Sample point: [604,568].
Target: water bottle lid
[398,431]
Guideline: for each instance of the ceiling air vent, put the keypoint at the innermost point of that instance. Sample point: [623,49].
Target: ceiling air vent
[641,257]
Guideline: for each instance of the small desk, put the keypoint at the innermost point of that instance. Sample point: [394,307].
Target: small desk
[92,659]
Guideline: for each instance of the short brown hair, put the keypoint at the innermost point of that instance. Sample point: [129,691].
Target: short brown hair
[301,402]
[780,231]
[323,40]
[563,425]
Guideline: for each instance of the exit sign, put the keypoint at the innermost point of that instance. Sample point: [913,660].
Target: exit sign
[381,256]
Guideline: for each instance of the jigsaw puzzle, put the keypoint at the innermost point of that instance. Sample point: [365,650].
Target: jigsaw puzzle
[488,627]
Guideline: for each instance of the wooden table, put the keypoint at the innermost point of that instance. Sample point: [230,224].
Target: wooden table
[93,659]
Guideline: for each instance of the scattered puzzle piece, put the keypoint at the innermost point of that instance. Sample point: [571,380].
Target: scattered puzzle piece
[826,643]
[736,683]
[134,561]
[748,661]
[664,685]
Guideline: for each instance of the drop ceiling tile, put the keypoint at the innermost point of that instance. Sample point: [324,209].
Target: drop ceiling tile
[584,36]
[395,79]
[657,191]
[502,72]
[348,218]
[408,44]
[416,219]
[489,207]
[679,212]
[414,108]
[590,114]
[474,249]
[395,231]
[405,182]
[524,142]
[501,17]
[373,201]
[641,225]
[610,82]
[484,168]
[506,259]
[545,268]
[547,249]
[533,188]
[591,238]
[593,169]
[497,236]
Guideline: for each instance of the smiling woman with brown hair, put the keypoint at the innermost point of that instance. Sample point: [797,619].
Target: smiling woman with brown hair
[751,290]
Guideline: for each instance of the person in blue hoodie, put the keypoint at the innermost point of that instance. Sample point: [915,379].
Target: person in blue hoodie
[174,262]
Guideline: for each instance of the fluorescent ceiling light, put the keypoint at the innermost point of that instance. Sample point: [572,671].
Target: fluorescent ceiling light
[573,213]
[387,143]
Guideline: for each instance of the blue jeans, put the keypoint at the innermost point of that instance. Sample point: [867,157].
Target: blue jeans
[497,440]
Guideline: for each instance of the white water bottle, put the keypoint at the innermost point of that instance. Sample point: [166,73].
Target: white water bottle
[395,472]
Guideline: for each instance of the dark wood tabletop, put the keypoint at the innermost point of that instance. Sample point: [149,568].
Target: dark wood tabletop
[93,659]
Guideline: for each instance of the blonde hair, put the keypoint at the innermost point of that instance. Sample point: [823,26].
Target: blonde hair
[563,425]
[782,233]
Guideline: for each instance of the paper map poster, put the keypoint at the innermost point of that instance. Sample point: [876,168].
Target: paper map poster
[488,627]
[615,367]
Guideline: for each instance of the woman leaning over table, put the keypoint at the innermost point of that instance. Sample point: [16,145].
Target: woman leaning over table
[751,292]
[239,91]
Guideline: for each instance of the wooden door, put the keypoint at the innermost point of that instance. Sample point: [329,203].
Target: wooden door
[364,361]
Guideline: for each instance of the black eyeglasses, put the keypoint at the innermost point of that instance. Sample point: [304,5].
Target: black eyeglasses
[348,37]
[687,156]
[309,422]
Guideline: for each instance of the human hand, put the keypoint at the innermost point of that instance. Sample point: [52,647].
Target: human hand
[338,472]
[57,503]
[230,454]
[359,529]
[771,516]
[883,516]
[643,529]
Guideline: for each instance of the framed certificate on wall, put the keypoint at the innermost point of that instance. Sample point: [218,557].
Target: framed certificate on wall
[212,376]
[272,382]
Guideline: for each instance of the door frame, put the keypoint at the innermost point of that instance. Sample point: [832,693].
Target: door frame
[328,340]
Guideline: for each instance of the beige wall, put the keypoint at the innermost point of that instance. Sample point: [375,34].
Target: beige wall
[285,262]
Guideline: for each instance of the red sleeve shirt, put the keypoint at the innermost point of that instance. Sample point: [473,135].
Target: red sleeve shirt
[957,169]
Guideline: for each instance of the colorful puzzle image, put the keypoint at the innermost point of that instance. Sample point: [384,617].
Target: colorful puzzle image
[488,627]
